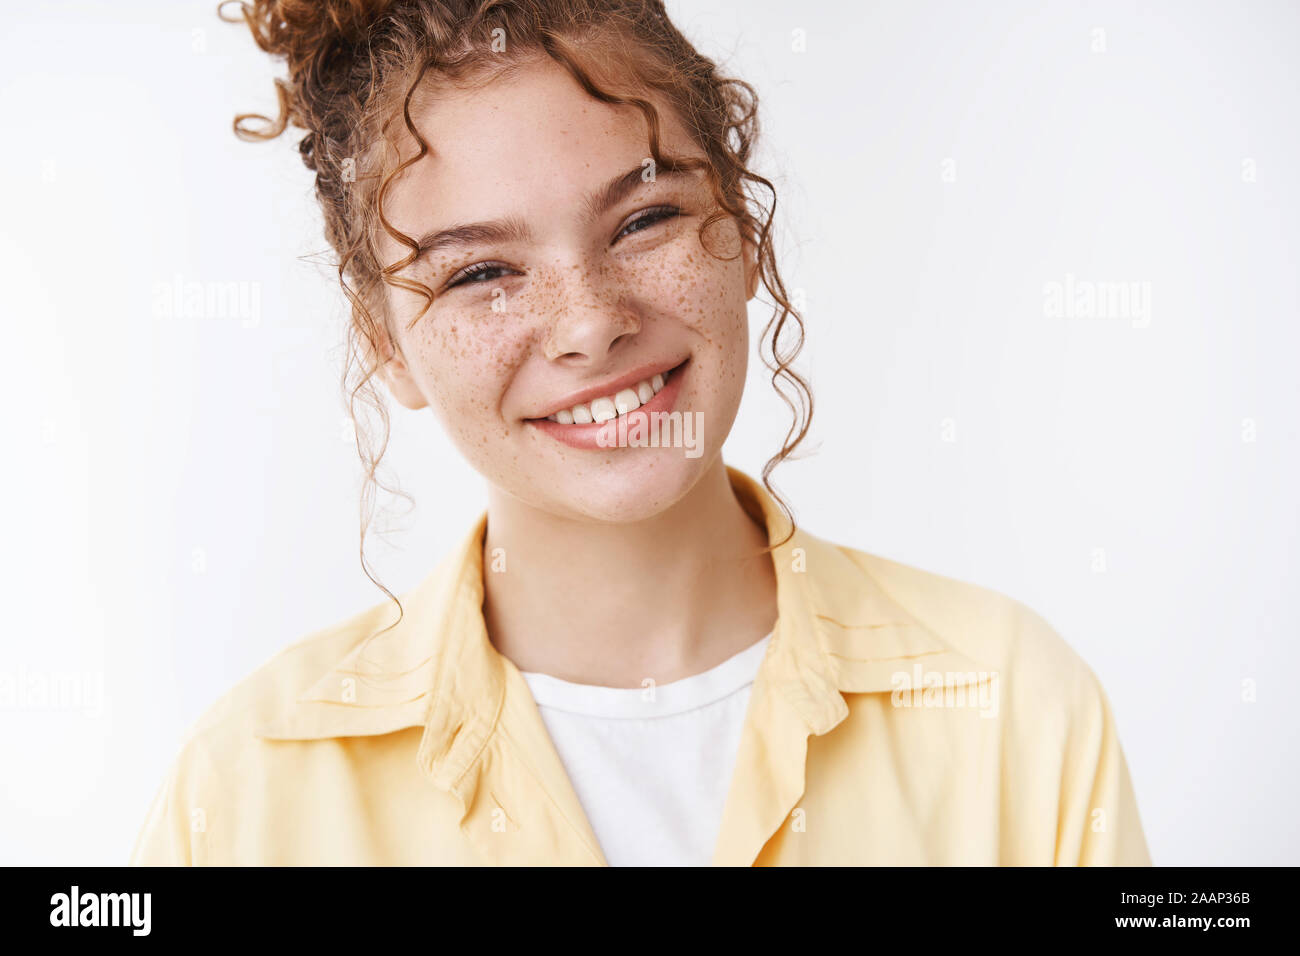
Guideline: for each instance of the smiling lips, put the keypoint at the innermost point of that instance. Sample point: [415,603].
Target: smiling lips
[581,424]
[611,406]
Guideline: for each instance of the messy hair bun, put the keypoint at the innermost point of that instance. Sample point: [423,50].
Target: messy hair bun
[354,67]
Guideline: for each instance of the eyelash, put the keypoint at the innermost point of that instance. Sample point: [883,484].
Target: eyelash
[653,215]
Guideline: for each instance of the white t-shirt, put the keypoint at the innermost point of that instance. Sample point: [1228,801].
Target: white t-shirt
[651,766]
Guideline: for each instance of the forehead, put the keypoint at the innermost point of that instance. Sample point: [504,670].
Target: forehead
[528,143]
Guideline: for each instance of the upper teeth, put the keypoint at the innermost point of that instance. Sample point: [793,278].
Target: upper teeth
[603,409]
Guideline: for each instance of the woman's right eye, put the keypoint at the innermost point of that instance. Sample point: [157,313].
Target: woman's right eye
[473,275]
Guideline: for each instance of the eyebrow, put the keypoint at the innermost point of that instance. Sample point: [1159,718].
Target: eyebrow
[514,229]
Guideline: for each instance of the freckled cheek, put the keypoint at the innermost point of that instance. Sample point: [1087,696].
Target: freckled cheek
[710,297]
[469,361]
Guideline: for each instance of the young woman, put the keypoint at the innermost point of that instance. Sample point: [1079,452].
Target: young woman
[545,230]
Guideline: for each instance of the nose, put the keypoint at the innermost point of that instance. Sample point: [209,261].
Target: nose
[592,316]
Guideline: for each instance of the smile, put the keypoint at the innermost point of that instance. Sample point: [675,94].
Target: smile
[581,424]
[602,409]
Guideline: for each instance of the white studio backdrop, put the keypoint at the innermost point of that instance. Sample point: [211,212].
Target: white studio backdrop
[1047,257]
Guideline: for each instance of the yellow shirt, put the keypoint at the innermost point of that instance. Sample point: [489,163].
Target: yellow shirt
[898,717]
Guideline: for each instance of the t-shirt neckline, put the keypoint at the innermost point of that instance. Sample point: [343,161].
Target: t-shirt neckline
[656,700]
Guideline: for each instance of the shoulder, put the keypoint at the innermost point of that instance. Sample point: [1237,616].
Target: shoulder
[288,673]
[222,758]
[1054,733]
[275,684]
[1035,665]
[373,659]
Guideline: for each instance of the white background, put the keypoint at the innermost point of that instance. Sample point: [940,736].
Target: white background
[181,499]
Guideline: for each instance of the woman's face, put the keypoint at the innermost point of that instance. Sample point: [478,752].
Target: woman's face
[581,287]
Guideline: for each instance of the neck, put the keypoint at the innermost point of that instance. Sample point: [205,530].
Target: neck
[615,604]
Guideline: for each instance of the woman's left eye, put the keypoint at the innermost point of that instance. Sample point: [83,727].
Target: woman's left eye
[647,219]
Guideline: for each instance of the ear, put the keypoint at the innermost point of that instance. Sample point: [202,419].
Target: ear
[401,383]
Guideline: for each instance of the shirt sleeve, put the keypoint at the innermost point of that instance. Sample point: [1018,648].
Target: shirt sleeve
[1099,824]
[174,830]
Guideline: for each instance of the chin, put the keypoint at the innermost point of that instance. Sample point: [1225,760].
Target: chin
[627,485]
